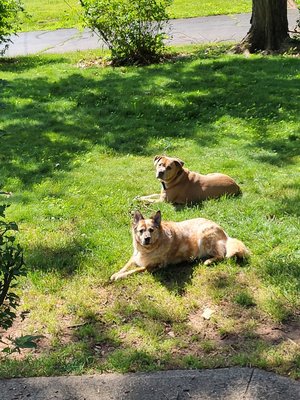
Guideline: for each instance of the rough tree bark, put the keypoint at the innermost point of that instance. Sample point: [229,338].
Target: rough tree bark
[269,26]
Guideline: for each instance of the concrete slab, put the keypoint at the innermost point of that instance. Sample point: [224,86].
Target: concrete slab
[219,384]
[265,385]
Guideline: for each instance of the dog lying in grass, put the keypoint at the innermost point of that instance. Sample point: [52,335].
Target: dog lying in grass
[181,186]
[158,243]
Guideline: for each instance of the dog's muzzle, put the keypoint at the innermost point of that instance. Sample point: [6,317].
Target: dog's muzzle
[160,174]
[146,241]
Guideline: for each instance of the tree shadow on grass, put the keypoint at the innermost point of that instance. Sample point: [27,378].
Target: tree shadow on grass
[51,118]
[290,204]
[283,272]
[26,63]
[62,259]
[176,277]
[277,151]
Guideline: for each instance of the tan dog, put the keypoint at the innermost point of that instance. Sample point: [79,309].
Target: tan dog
[181,186]
[157,244]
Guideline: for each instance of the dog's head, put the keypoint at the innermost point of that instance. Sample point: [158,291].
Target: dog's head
[167,168]
[146,231]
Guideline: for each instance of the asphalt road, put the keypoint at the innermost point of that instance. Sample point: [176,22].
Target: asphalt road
[215,29]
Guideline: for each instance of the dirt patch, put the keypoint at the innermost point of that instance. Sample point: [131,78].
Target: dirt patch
[262,328]
[279,333]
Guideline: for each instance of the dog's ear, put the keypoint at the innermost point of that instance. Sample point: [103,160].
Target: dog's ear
[137,217]
[179,162]
[157,218]
[156,159]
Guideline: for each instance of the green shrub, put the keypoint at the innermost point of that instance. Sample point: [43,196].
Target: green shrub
[9,21]
[11,266]
[133,30]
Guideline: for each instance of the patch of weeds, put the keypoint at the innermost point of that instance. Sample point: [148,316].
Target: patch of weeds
[208,346]
[244,299]
[295,366]
[124,360]
[280,266]
[249,360]
[227,327]
[87,331]
[277,309]
[249,329]
[192,362]
[70,359]
[220,284]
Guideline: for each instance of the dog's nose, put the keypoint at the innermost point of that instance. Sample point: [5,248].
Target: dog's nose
[160,174]
[147,240]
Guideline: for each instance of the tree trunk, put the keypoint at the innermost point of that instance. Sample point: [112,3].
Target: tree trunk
[269,26]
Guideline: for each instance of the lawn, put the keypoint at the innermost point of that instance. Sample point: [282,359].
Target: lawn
[54,14]
[77,144]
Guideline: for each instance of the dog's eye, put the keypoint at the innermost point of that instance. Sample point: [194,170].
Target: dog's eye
[141,231]
[151,230]
[168,167]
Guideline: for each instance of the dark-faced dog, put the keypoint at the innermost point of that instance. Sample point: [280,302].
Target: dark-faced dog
[158,243]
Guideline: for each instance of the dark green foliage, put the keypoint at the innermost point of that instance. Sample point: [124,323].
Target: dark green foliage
[9,22]
[21,342]
[244,299]
[11,266]
[133,30]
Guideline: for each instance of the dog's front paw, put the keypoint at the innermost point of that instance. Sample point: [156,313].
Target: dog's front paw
[146,201]
[139,198]
[114,277]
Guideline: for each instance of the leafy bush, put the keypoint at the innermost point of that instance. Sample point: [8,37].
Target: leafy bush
[9,21]
[11,266]
[133,30]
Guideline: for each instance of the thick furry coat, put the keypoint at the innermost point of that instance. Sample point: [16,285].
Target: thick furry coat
[158,243]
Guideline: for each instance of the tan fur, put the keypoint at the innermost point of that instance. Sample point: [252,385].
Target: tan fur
[181,186]
[158,243]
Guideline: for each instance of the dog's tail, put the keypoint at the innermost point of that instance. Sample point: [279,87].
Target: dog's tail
[236,248]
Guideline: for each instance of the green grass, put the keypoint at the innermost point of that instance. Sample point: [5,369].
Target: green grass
[51,14]
[203,8]
[54,14]
[76,148]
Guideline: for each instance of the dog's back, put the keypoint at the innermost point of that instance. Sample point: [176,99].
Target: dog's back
[193,187]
